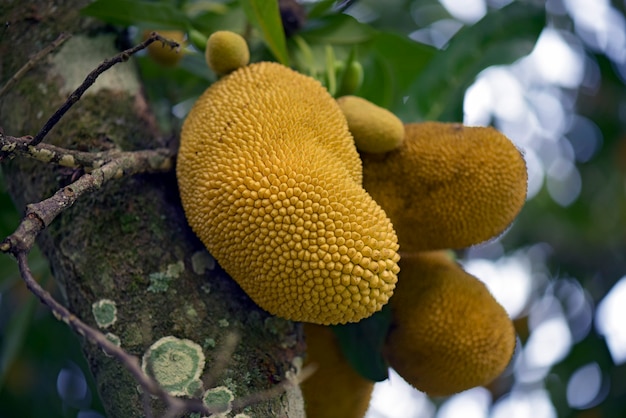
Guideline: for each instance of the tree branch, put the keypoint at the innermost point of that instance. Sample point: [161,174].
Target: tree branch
[158,239]
[40,215]
[11,146]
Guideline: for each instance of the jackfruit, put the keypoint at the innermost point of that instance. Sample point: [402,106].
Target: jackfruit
[270,181]
[226,51]
[447,185]
[163,54]
[448,333]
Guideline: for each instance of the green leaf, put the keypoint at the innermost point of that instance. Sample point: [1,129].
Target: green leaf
[320,8]
[233,19]
[499,38]
[265,16]
[377,84]
[337,29]
[154,15]
[404,60]
[362,344]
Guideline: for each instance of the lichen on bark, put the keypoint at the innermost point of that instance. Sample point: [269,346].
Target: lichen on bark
[109,243]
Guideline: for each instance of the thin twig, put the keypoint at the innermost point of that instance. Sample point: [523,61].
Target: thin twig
[149,385]
[40,215]
[33,61]
[102,167]
[61,312]
[91,78]
[11,146]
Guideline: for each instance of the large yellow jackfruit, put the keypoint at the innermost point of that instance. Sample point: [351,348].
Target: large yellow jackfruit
[335,390]
[447,185]
[448,332]
[270,181]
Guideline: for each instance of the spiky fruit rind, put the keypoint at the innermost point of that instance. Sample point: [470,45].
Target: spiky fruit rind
[226,51]
[270,181]
[448,185]
[448,332]
[335,390]
[375,129]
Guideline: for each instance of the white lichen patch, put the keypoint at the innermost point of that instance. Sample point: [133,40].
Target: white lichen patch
[174,270]
[175,363]
[219,399]
[67,161]
[105,312]
[79,55]
[202,261]
[160,281]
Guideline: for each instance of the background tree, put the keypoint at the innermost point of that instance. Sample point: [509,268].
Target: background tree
[128,241]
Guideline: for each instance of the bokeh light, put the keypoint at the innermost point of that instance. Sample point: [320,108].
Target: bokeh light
[610,321]
[395,398]
[584,388]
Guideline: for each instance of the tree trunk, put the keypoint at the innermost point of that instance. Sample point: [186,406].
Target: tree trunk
[128,242]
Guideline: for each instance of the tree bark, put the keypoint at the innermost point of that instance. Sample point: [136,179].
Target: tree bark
[128,242]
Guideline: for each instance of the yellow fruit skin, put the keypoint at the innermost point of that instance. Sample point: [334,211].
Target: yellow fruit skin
[270,181]
[375,130]
[448,185]
[335,390]
[226,51]
[163,54]
[448,333]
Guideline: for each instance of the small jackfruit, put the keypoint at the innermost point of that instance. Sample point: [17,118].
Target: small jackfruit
[335,389]
[448,185]
[375,130]
[448,332]
[270,182]
[164,54]
[226,51]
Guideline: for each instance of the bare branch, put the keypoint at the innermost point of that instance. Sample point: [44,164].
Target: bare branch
[33,61]
[132,364]
[91,78]
[40,215]
[11,146]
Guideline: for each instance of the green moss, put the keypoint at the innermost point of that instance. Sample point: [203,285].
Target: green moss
[208,343]
[160,281]
[191,313]
[129,223]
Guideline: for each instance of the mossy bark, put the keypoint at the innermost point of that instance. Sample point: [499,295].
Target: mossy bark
[128,242]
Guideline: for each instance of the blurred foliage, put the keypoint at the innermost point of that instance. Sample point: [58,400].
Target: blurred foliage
[585,241]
